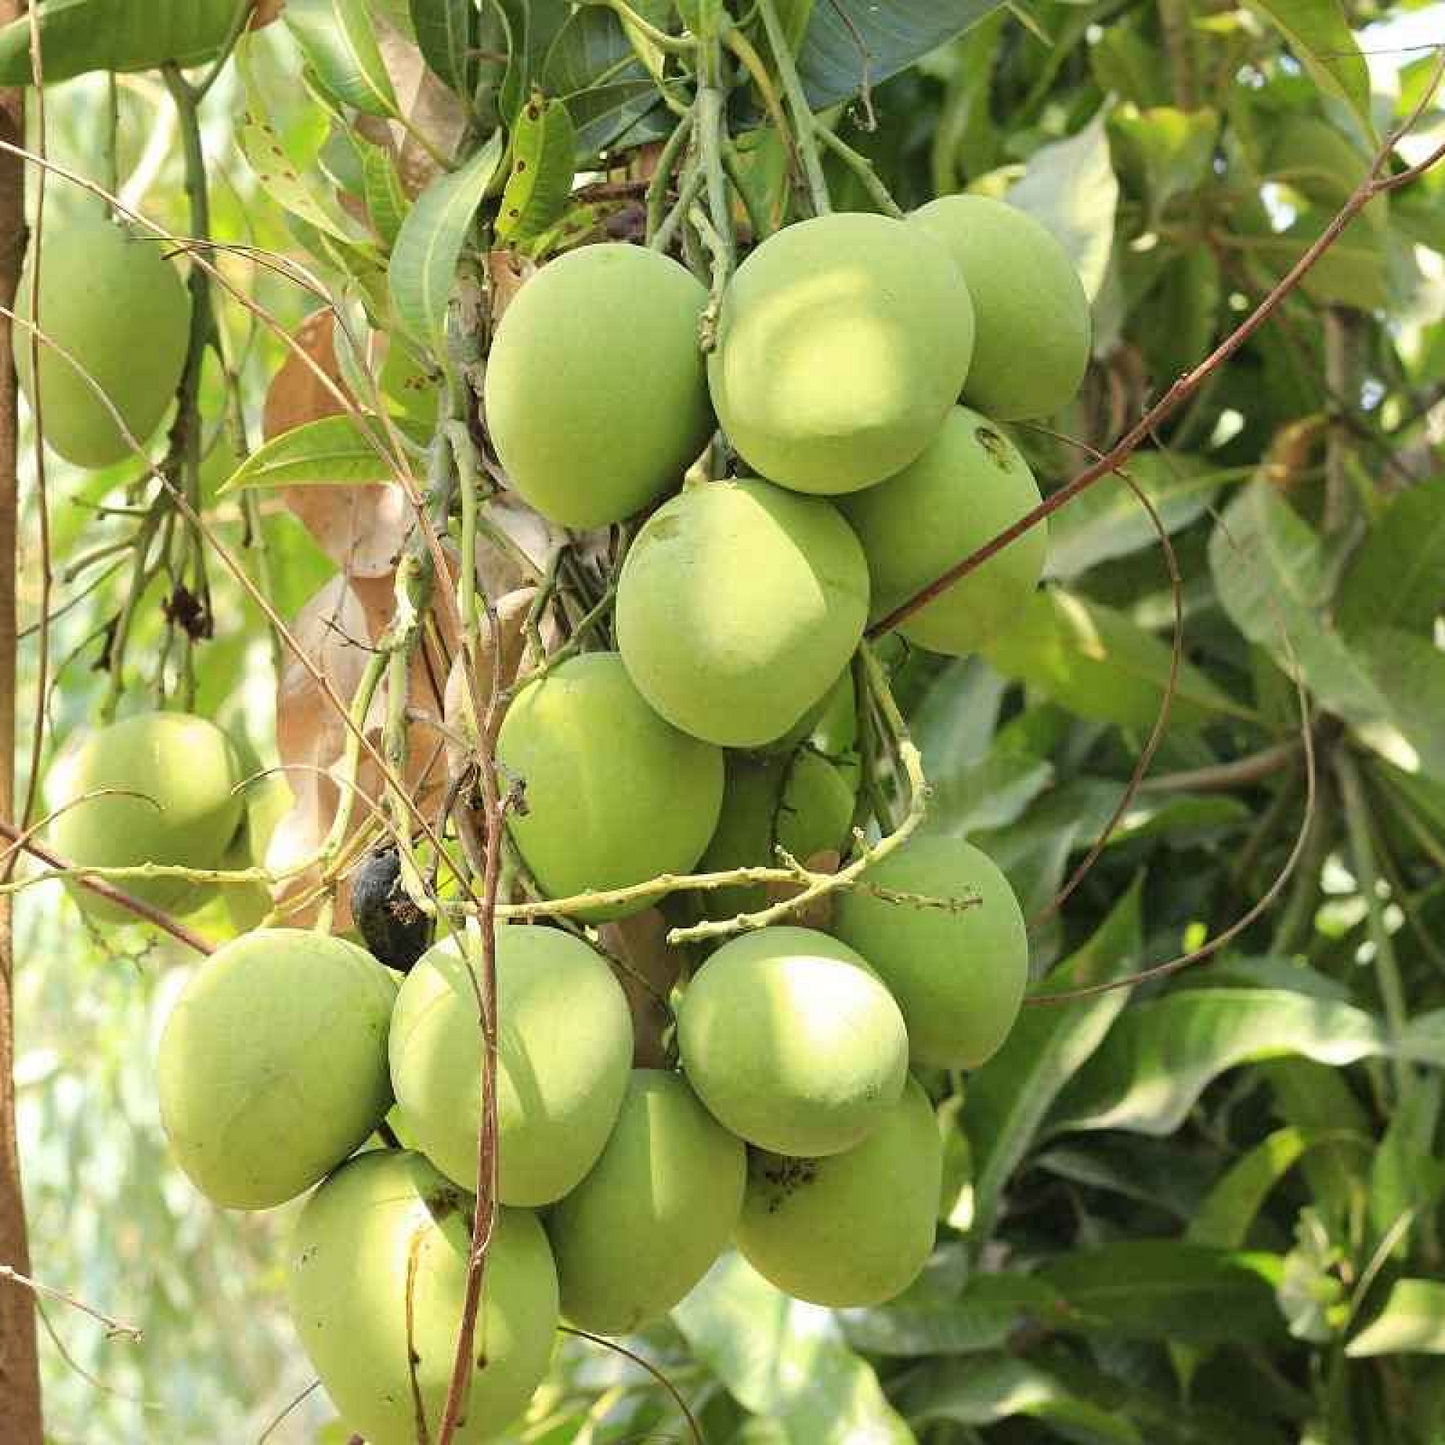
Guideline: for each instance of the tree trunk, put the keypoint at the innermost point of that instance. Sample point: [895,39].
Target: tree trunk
[19,1369]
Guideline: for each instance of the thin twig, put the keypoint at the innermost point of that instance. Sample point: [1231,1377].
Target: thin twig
[114,1329]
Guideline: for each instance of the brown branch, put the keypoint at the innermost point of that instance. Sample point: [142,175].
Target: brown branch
[694,1428]
[1374,184]
[114,1329]
[1225,777]
[22,839]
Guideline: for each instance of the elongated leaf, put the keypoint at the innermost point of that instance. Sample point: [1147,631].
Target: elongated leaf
[785,1361]
[1099,664]
[1398,578]
[1405,1175]
[1274,578]
[1409,673]
[424,260]
[446,33]
[1161,1055]
[329,452]
[1010,1095]
[1412,1322]
[1164,1289]
[853,42]
[1225,1218]
[77,36]
[1320,37]
[984,1317]
[1001,1387]
[386,201]
[1071,187]
[339,40]
[1108,521]
[544,149]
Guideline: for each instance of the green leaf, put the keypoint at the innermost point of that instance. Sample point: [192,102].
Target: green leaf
[1162,1054]
[1011,1094]
[1409,674]
[1405,1175]
[1166,1289]
[279,175]
[853,42]
[1172,148]
[1099,664]
[1070,186]
[78,36]
[1107,520]
[544,149]
[1274,580]
[785,1361]
[331,452]
[339,41]
[1398,577]
[424,259]
[386,202]
[1225,1218]
[1321,39]
[1001,1387]
[446,34]
[1412,1322]
[990,1310]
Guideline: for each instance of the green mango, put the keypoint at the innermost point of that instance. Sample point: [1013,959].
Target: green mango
[842,342]
[853,1229]
[657,1209]
[971,484]
[792,1042]
[178,808]
[596,397]
[614,795]
[801,803]
[563,1056]
[738,605]
[114,302]
[375,1277]
[1033,325]
[77,36]
[958,977]
[272,1065]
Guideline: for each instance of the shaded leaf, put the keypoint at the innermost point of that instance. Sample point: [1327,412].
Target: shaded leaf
[1009,1097]
[1320,37]
[544,148]
[446,33]
[1099,664]
[1165,1289]
[1398,577]
[424,259]
[785,1361]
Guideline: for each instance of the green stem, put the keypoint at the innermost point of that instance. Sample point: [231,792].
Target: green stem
[712,132]
[666,160]
[866,172]
[805,124]
[1387,966]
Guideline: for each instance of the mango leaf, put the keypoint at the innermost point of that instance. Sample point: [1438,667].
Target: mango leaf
[279,175]
[1166,1289]
[1099,664]
[339,41]
[1070,186]
[1398,577]
[544,149]
[1009,1097]
[989,1311]
[853,43]
[1405,1175]
[1412,1322]
[1274,580]
[1230,1209]
[1162,1054]
[785,1361]
[1172,148]
[424,259]
[1107,521]
[446,34]
[1409,673]
[386,202]
[77,36]
[1321,39]
[1001,1387]
[330,452]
